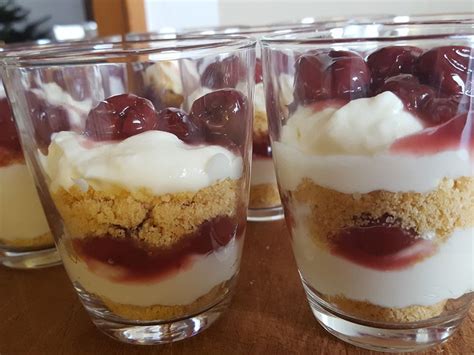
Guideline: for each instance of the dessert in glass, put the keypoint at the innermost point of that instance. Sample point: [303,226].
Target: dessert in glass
[264,202]
[374,159]
[147,203]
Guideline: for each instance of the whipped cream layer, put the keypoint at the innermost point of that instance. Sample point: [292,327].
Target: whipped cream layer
[21,213]
[180,288]
[447,274]
[346,149]
[263,171]
[153,160]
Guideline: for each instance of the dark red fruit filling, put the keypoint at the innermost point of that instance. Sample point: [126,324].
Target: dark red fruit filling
[119,117]
[222,114]
[223,74]
[391,61]
[8,133]
[381,245]
[47,119]
[331,75]
[457,133]
[134,261]
[178,122]
[407,87]
[446,68]
[261,146]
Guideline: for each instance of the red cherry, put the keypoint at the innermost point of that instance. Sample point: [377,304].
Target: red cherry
[446,69]
[222,74]
[409,90]
[309,79]
[8,133]
[348,76]
[47,119]
[331,75]
[103,123]
[439,110]
[120,116]
[140,117]
[223,114]
[258,71]
[391,61]
[176,121]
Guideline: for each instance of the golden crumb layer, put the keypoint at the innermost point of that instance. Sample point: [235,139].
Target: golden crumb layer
[161,312]
[44,240]
[368,311]
[443,210]
[264,196]
[260,123]
[158,220]
[170,98]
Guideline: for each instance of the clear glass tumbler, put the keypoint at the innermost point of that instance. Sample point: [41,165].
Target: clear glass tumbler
[147,202]
[264,202]
[374,160]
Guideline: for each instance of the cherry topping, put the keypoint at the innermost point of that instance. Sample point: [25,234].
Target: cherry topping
[223,114]
[391,61]
[179,123]
[439,110]
[258,71]
[381,245]
[8,133]
[222,74]
[409,90]
[446,68]
[456,133]
[333,74]
[121,116]
[47,119]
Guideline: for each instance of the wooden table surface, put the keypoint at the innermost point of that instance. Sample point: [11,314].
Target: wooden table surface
[40,313]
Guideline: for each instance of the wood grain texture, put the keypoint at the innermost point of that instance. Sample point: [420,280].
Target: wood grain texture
[40,313]
[119,16]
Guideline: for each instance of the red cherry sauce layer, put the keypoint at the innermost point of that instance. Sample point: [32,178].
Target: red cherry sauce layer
[129,260]
[10,148]
[261,146]
[216,118]
[382,246]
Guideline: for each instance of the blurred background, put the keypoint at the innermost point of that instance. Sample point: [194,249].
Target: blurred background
[22,20]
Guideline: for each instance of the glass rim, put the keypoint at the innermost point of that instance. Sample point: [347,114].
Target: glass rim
[305,37]
[97,52]
[245,30]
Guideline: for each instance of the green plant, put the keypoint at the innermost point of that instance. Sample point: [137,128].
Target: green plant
[14,25]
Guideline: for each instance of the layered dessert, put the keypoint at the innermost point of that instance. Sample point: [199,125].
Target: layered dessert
[19,200]
[153,203]
[375,164]
[228,72]
[263,185]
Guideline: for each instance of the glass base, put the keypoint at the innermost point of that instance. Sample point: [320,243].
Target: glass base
[265,214]
[30,259]
[412,337]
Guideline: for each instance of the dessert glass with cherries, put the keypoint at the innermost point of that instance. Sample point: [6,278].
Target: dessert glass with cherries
[264,202]
[374,160]
[147,201]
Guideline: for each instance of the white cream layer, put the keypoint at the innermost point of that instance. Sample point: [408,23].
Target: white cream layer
[21,213]
[153,160]
[447,274]
[363,174]
[259,98]
[263,171]
[180,288]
